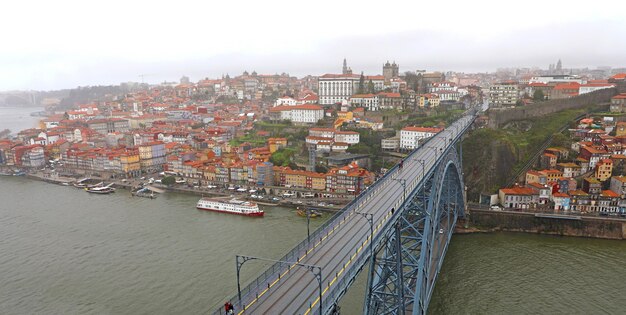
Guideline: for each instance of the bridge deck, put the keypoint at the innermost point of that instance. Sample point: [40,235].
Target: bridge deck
[297,291]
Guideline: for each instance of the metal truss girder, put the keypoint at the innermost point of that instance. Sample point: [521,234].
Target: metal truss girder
[404,275]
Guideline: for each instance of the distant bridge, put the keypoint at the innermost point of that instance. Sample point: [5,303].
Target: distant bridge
[406,218]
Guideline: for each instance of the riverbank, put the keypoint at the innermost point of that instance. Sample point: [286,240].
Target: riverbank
[488,221]
[203,192]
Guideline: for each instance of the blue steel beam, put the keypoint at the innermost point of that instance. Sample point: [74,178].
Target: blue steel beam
[425,225]
[407,253]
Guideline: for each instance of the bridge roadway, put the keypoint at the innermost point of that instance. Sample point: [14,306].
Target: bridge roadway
[297,291]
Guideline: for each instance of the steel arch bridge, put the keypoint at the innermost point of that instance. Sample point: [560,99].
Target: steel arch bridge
[406,219]
[410,254]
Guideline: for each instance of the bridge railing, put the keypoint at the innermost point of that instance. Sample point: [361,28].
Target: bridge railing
[262,282]
[350,274]
[254,288]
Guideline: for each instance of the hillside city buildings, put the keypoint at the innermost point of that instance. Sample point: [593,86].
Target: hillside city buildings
[231,130]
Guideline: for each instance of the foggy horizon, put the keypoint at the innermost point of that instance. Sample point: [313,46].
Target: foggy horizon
[66,45]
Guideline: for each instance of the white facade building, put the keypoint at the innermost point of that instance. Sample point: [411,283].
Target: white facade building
[590,87]
[298,114]
[447,95]
[349,137]
[556,78]
[369,101]
[410,137]
[285,101]
[322,132]
[442,86]
[336,88]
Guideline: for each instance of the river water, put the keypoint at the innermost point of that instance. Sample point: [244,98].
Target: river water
[18,118]
[63,251]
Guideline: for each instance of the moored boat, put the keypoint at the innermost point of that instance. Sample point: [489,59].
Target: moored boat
[144,192]
[313,213]
[81,183]
[233,206]
[101,189]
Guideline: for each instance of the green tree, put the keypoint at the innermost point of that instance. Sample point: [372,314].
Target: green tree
[370,87]
[168,180]
[360,148]
[538,96]
[561,140]
[320,168]
[361,89]
[282,157]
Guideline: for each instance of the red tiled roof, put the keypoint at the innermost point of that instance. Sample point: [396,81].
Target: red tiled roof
[338,76]
[301,107]
[619,76]
[323,129]
[609,193]
[518,191]
[389,94]
[577,193]
[567,86]
[422,129]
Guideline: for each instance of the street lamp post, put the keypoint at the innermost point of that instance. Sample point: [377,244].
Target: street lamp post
[308,222]
[451,133]
[402,181]
[434,150]
[315,270]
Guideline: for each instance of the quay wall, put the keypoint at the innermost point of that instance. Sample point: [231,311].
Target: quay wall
[481,220]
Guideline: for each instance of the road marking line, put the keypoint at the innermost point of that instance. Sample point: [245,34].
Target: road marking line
[344,266]
[384,219]
[350,213]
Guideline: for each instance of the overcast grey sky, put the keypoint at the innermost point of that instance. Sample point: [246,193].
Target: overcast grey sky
[64,43]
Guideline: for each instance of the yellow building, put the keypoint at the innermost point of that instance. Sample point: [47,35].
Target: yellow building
[345,115]
[552,175]
[533,176]
[129,162]
[276,144]
[305,179]
[294,179]
[604,168]
[432,100]
[338,123]
[620,129]
[318,182]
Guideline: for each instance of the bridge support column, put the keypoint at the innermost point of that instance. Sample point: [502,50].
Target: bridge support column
[415,241]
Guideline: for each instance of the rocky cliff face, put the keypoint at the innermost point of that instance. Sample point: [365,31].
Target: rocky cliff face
[492,156]
[487,162]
